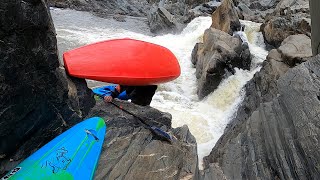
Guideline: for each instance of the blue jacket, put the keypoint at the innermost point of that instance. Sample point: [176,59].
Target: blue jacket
[107,91]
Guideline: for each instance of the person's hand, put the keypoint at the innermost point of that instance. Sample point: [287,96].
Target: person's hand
[108,99]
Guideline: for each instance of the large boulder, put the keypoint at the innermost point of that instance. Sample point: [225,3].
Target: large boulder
[295,49]
[225,18]
[289,18]
[279,28]
[217,57]
[161,21]
[278,140]
[38,100]
[131,151]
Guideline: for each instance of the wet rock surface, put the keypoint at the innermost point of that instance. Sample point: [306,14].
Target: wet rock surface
[38,100]
[131,151]
[263,87]
[225,18]
[218,55]
[216,58]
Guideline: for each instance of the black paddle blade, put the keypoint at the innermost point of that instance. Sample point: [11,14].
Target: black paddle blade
[161,134]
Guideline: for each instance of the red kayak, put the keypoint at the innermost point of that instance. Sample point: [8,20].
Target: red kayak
[123,61]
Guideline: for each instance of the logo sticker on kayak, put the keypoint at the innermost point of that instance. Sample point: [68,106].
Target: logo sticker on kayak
[93,134]
[13,172]
[58,162]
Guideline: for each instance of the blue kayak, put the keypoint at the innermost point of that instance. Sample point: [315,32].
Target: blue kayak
[72,155]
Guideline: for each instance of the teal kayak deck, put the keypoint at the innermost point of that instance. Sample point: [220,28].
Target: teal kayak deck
[72,155]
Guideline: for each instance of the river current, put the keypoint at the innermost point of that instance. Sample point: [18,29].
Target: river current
[207,118]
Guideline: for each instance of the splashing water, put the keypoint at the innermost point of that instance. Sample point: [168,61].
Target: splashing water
[206,119]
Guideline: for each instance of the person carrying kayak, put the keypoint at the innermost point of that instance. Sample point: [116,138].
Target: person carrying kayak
[140,95]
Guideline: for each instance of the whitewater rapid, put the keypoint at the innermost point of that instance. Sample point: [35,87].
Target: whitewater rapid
[206,119]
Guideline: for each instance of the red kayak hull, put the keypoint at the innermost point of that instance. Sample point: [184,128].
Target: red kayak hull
[123,61]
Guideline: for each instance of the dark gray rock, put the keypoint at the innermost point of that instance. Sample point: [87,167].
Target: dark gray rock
[278,139]
[263,87]
[213,172]
[289,18]
[205,9]
[294,6]
[255,10]
[279,28]
[37,100]
[225,18]
[195,53]
[131,151]
[217,57]
[244,11]
[255,15]
[111,7]
[208,8]
[260,5]
[158,10]
[295,48]
[161,21]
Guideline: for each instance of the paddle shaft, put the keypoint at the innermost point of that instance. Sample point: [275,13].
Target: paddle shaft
[155,130]
[139,118]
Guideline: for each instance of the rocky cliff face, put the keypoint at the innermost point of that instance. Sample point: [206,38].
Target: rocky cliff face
[163,16]
[128,7]
[274,133]
[37,100]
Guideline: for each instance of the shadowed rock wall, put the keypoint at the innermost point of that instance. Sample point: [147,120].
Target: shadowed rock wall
[37,100]
[276,131]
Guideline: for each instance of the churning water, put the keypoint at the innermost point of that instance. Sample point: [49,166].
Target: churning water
[206,119]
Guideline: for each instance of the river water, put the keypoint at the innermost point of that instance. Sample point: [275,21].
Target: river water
[206,119]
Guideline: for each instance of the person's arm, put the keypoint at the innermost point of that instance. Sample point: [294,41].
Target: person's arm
[113,95]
